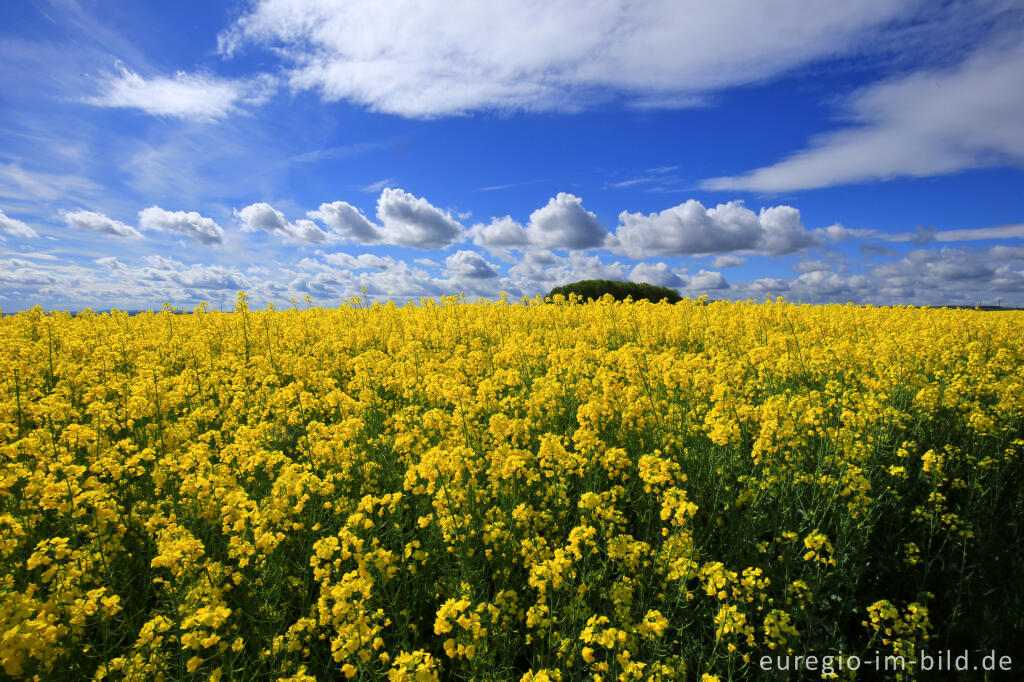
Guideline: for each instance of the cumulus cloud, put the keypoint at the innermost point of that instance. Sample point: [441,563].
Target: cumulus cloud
[210,277]
[190,224]
[436,58]
[15,227]
[362,262]
[97,222]
[770,285]
[564,224]
[690,229]
[308,231]
[414,221]
[927,123]
[655,273]
[186,96]
[162,262]
[26,276]
[262,217]
[348,222]
[469,264]
[706,280]
[404,282]
[540,270]
[924,276]
[500,233]
[324,284]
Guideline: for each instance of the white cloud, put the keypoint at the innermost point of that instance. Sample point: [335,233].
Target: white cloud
[97,222]
[162,263]
[22,276]
[375,187]
[656,273]
[1013,231]
[564,224]
[414,221]
[540,270]
[469,264]
[927,123]
[770,285]
[705,280]
[691,229]
[191,224]
[364,261]
[210,277]
[926,276]
[837,233]
[111,263]
[1006,253]
[264,217]
[308,231]
[434,57]
[728,261]
[403,282]
[186,96]
[820,284]
[500,233]
[348,222]
[321,285]
[15,227]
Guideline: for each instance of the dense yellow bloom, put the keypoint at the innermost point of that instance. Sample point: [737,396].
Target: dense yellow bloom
[435,490]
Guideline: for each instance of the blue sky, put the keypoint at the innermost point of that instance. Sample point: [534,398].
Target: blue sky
[179,152]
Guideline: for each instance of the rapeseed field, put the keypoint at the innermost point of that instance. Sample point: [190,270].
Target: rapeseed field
[507,491]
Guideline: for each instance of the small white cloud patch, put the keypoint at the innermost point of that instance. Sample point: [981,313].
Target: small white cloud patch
[690,229]
[927,123]
[414,221]
[564,224]
[348,222]
[190,224]
[184,95]
[15,227]
[262,217]
[656,273]
[97,222]
[469,264]
[500,233]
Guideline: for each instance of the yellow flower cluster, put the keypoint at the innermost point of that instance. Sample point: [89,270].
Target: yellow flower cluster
[501,491]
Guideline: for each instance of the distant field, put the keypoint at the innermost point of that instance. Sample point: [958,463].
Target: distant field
[509,492]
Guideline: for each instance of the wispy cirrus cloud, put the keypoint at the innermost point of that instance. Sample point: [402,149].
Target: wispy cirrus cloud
[98,222]
[434,58]
[15,227]
[201,97]
[930,122]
